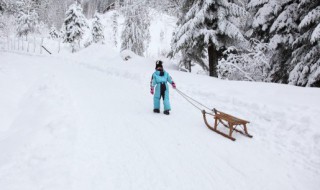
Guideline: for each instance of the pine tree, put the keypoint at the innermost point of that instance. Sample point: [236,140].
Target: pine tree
[283,32]
[27,23]
[189,55]
[264,13]
[115,27]
[2,10]
[306,56]
[43,9]
[7,19]
[27,17]
[275,22]
[3,5]
[97,29]
[208,27]
[74,26]
[136,35]
[54,34]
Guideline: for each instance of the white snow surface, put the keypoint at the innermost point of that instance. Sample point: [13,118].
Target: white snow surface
[84,121]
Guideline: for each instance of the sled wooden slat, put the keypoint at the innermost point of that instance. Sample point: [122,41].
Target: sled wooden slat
[229,122]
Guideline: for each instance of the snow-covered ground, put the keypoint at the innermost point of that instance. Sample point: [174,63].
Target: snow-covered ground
[85,121]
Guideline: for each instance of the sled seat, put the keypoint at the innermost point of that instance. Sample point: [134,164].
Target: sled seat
[227,121]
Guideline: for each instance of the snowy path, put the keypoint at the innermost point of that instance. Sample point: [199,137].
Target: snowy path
[88,124]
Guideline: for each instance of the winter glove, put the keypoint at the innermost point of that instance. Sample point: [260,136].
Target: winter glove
[174,85]
[152,91]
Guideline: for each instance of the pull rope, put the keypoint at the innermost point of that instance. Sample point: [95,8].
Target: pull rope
[192,101]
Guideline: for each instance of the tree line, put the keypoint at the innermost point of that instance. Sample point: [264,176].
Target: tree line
[256,40]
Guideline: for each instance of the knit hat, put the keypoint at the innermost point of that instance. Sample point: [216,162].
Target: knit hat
[159,64]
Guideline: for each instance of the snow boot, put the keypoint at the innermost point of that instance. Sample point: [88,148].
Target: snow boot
[166,112]
[156,111]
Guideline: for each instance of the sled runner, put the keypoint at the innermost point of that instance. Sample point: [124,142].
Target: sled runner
[227,121]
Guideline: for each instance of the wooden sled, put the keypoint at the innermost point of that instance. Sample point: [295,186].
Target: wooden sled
[228,121]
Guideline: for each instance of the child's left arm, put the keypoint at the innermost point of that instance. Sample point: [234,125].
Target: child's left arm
[171,81]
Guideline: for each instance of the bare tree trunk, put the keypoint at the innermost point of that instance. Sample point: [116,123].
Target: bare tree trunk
[213,60]
[59,42]
[34,44]
[8,45]
[41,45]
[18,43]
[22,44]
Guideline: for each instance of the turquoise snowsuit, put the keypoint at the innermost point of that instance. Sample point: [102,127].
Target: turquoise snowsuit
[161,90]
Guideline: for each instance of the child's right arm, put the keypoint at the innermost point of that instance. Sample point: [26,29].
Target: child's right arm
[152,84]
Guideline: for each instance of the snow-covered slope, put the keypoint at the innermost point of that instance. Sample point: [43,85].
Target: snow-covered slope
[85,121]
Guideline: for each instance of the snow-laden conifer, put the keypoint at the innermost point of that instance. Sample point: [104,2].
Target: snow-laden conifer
[97,29]
[53,33]
[284,28]
[115,27]
[306,56]
[27,22]
[282,33]
[135,35]
[276,22]
[74,25]
[208,27]
[3,6]
[264,14]
[188,55]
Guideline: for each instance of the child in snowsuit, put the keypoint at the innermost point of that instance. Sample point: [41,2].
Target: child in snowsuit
[159,80]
